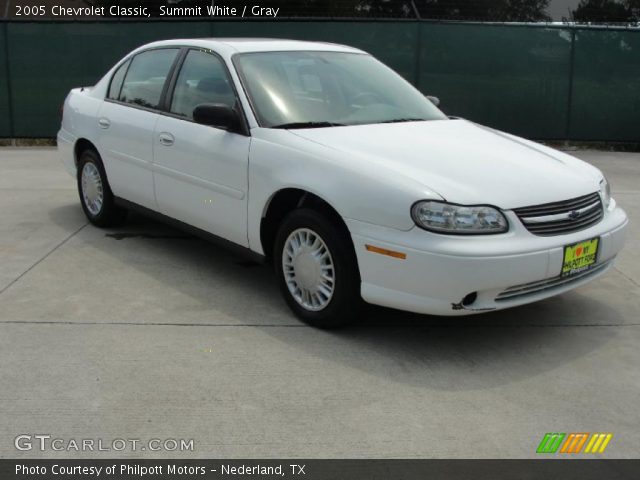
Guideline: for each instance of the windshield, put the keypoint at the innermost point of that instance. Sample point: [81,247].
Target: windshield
[323,89]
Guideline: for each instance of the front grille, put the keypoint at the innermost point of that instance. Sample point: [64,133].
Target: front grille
[532,288]
[558,218]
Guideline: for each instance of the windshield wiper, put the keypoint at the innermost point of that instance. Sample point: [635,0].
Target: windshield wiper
[308,125]
[400,120]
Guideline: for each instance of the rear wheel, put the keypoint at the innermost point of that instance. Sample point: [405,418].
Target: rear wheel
[96,197]
[317,269]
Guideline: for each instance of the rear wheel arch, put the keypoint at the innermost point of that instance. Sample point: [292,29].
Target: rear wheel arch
[83,144]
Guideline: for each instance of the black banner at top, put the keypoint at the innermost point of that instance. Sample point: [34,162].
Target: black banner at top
[613,12]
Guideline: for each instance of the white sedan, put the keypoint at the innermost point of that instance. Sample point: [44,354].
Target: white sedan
[353,184]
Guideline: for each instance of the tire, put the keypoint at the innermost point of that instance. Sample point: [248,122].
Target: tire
[315,245]
[96,197]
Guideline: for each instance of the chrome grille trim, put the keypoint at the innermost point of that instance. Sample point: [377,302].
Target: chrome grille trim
[532,288]
[557,218]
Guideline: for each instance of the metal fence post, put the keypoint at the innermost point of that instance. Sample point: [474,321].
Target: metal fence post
[8,73]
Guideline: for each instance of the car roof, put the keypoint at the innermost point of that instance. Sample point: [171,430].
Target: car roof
[242,45]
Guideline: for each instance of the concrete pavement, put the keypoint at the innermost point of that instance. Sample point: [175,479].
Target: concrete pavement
[144,332]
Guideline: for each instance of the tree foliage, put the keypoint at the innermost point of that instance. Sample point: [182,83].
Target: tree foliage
[485,10]
[607,11]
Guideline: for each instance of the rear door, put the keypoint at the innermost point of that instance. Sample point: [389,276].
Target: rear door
[127,119]
[200,171]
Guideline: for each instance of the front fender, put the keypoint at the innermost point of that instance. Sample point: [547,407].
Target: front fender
[356,190]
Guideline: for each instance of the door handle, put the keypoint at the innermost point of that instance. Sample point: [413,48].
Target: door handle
[166,139]
[104,122]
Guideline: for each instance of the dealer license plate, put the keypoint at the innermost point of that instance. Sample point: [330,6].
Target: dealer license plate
[580,257]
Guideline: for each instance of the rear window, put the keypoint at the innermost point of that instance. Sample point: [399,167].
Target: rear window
[116,81]
[146,76]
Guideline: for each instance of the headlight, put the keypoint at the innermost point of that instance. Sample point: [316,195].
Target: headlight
[605,191]
[458,219]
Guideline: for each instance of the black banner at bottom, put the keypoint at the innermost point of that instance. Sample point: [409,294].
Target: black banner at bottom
[570,469]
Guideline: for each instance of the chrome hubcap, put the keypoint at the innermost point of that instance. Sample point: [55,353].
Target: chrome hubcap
[308,269]
[92,192]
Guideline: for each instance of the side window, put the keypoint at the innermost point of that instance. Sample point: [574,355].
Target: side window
[146,76]
[116,81]
[202,79]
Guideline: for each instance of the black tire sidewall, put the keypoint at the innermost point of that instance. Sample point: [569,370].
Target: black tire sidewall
[345,302]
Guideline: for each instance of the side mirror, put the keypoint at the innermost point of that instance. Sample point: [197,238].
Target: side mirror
[217,115]
[434,100]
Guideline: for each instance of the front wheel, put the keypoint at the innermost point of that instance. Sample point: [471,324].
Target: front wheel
[317,269]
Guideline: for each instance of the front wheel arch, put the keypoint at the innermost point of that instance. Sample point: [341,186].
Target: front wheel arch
[285,201]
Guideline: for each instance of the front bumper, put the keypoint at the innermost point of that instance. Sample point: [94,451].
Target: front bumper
[504,270]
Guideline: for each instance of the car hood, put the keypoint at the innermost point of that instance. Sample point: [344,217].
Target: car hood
[463,162]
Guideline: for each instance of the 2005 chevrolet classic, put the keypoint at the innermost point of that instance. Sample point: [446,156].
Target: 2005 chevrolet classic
[356,186]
